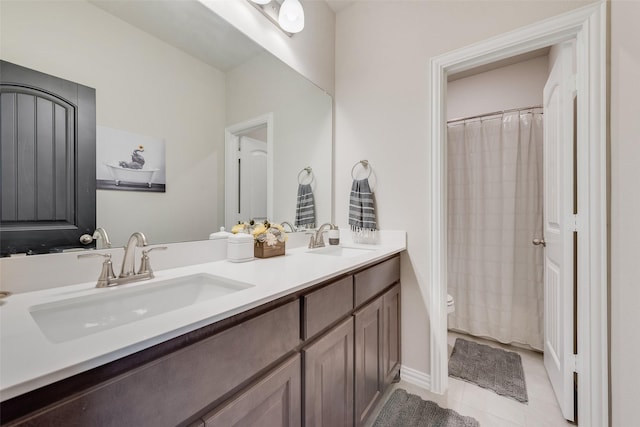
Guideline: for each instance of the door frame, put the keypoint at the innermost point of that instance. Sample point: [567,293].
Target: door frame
[588,25]
[231,134]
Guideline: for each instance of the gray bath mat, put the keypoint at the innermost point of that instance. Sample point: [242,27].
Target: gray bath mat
[408,410]
[489,367]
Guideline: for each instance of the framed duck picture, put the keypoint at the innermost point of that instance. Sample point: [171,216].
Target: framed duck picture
[129,162]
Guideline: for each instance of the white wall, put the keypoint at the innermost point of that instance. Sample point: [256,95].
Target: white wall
[514,86]
[143,86]
[382,108]
[625,212]
[310,52]
[302,122]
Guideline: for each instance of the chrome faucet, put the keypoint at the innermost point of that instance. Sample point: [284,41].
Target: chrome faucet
[293,229]
[128,262]
[127,274]
[317,239]
[101,233]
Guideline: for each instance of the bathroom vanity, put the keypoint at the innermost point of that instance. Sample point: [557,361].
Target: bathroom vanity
[320,351]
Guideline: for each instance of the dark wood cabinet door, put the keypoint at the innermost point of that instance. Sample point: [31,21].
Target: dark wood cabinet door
[368,359]
[328,388]
[48,161]
[273,401]
[391,334]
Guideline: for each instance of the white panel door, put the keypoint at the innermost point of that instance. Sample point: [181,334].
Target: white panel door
[253,179]
[559,93]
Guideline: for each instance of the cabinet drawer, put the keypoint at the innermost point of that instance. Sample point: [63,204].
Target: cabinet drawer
[173,388]
[374,280]
[326,306]
[274,401]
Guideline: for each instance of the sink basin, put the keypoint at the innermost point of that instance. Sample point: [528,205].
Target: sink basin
[77,317]
[341,251]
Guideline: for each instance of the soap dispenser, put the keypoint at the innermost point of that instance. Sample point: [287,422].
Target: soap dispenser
[334,235]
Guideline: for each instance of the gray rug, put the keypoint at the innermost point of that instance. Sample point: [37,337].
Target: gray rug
[489,367]
[408,410]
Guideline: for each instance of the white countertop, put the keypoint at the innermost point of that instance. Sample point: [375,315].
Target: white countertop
[28,360]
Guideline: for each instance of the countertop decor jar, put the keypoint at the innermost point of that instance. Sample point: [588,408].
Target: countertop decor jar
[240,247]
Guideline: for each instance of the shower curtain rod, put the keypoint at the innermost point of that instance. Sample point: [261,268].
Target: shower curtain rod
[495,113]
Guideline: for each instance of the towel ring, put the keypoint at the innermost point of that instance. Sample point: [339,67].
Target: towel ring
[365,164]
[309,171]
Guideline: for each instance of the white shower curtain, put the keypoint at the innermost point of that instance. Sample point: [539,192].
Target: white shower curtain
[494,211]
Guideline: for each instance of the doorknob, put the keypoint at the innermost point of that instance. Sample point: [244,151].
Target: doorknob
[539,242]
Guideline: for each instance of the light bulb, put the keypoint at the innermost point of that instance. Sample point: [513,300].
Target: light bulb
[291,16]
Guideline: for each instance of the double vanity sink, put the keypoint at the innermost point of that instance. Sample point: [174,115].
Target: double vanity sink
[76,317]
[53,334]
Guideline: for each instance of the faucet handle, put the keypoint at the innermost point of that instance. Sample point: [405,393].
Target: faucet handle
[107,274]
[312,240]
[145,266]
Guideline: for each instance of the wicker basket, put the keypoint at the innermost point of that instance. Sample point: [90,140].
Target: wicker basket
[262,250]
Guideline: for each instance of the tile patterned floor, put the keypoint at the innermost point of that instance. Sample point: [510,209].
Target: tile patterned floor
[491,409]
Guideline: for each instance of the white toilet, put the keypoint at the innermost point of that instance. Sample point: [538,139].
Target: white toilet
[451,306]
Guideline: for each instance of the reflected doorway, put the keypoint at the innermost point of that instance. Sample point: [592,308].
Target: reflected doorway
[249,171]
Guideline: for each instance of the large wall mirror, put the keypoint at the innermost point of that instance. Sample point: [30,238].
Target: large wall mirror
[174,71]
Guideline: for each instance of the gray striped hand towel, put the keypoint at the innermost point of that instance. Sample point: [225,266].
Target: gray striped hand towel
[305,208]
[362,211]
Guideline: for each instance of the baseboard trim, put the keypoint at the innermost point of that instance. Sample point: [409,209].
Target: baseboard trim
[415,377]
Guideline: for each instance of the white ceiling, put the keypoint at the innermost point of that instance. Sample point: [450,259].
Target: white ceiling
[189,26]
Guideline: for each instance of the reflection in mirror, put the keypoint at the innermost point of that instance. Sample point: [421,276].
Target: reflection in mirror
[302,128]
[175,71]
[248,168]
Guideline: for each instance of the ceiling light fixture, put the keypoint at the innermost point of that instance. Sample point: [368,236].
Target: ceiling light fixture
[288,15]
